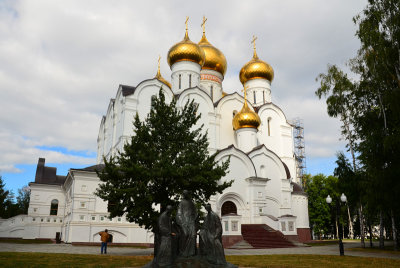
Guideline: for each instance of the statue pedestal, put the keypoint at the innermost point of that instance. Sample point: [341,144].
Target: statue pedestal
[192,262]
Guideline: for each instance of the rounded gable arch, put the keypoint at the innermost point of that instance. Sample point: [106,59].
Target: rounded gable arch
[193,94]
[229,98]
[262,150]
[231,152]
[141,88]
[270,106]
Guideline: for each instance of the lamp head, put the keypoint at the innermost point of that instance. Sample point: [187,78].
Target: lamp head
[328,199]
[343,198]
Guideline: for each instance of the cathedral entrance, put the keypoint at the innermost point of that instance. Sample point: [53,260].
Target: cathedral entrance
[228,208]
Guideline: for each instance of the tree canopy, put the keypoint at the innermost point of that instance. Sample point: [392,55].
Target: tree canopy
[369,109]
[8,206]
[166,155]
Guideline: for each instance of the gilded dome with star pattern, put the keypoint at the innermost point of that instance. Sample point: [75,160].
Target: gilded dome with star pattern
[214,58]
[246,118]
[186,50]
[256,68]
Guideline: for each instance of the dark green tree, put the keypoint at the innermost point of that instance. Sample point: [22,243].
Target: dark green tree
[3,198]
[339,92]
[373,106]
[23,199]
[378,64]
[165,156]
[350,184]
[321,214]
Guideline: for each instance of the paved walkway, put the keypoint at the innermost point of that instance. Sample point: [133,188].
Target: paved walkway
[126,251]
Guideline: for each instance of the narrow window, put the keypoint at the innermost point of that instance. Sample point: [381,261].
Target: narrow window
[54,207]
[212,92]
[263,96]
[283,226]
[269,126]
[180,78]
[254,95]
[234,226]
[190,80]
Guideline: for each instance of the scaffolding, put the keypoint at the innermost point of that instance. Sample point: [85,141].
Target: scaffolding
[299,149]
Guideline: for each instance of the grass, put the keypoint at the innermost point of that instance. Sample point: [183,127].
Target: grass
[24,259]
[310,261]
[25,241]
[28,259]
[387,250]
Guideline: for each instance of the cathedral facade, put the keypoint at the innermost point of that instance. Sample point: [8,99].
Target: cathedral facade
[250,130]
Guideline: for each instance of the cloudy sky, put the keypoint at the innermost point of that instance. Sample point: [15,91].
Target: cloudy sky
[61,62]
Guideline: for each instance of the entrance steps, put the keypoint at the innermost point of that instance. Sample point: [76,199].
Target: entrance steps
[263,236]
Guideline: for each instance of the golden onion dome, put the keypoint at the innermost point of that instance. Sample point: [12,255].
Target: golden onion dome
[256,68]
[185,50]
[214,58]
[159,76]
[246,118]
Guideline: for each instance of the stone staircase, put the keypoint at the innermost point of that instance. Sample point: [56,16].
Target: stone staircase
[263,236]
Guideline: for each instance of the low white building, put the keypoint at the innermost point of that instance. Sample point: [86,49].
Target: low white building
[251,130]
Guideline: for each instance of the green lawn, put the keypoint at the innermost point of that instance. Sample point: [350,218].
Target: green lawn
[387,250]
[16,259]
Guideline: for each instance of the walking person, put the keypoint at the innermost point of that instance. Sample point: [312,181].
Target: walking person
[104,236]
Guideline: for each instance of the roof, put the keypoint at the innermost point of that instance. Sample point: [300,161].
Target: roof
[47,175]
[127,90]
[297,189]
[93,168]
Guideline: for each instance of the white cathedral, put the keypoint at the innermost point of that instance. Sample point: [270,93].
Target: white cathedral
[251,130]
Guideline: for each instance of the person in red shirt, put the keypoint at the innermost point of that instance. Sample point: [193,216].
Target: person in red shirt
[104,236]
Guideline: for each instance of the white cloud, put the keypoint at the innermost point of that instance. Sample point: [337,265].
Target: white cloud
[61,62]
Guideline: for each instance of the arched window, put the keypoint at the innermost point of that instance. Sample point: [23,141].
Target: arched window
[263,96]
[212,92]
[269,126]
[54,207]
[190,80]
[254,95]
[263,171]
[180,79]
[228,208]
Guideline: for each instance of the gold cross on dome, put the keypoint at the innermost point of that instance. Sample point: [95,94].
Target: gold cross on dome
[186,22]
[159,58]
[245,93]
[204,24]
[253,41]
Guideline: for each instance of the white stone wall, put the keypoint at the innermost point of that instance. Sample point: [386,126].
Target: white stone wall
[258,91]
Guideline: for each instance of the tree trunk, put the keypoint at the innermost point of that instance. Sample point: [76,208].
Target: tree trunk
[351,232]
[370,234]
[362,233]
[381,230]
[342,231]
[394,230]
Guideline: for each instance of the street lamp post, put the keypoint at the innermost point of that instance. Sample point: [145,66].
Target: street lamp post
[343,198]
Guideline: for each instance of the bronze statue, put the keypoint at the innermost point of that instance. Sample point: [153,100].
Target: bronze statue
[164,256]
[186,219]
[211,250]
[211,247]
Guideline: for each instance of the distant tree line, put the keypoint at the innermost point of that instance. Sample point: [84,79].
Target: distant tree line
[367,102]
[11,206]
